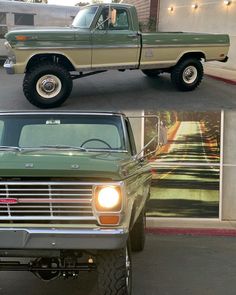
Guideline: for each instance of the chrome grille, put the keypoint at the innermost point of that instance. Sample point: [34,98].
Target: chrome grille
[46,201]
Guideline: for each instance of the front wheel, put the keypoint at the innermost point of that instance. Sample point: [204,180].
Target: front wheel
[115,272]
[47,85]
[137,235]
[187,74]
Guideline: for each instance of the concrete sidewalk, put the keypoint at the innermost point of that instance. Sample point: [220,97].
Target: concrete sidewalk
[222,74]
[189,226]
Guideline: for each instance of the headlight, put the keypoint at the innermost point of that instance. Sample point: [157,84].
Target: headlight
[108,199]
[108,204]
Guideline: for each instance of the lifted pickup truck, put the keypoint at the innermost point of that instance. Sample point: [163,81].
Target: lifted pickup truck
[104,37]
[73,192]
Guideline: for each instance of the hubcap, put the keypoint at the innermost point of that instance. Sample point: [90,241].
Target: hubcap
[190,74]
[48,86]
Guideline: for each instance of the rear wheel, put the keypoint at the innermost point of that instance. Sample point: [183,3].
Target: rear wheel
[152,73]
[115,272]
[187,74]
[47,85]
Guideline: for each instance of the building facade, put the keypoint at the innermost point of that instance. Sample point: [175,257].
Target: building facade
[183,15]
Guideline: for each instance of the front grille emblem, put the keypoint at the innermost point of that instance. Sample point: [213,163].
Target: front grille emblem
[8,201]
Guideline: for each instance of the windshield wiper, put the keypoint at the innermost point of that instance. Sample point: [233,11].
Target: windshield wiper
[11,148]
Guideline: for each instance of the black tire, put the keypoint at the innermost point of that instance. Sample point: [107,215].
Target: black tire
[115,271]
[187,74]
[33,76]
[137,235]
[152,73]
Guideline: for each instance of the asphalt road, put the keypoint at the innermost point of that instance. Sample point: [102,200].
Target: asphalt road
[130,90]
[170,265]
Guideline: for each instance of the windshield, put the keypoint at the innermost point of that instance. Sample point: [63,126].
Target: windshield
[73,132]
[85,17]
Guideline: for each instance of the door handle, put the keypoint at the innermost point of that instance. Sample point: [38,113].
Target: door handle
[133,35]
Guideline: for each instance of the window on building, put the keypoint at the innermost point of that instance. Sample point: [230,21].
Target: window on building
[23,19]
[3,24]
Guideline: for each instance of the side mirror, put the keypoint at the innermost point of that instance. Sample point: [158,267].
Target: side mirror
[149,149]
[158,139]
[112,16]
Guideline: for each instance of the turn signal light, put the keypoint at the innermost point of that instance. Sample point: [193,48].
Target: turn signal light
[22,38]
[109,220]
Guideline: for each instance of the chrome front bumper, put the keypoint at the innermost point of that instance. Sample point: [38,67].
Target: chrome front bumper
[84,239]
[9,66]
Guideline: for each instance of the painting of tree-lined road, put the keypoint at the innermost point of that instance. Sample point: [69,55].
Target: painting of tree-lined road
[186,167]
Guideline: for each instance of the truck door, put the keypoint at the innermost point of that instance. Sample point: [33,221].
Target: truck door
[115,45]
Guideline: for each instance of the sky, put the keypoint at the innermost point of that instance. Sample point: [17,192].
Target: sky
[69,2]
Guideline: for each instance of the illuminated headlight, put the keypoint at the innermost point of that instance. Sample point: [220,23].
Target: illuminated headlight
[108,198]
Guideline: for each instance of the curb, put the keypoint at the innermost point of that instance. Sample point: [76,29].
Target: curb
[196,232]
[228,81]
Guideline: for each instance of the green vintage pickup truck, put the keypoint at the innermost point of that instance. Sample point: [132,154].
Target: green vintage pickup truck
[104,37]
[73,191]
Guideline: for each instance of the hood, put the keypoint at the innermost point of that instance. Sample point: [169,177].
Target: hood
[42,34]
[114,166]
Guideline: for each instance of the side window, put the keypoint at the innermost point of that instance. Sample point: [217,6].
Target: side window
[1,131]
[102,23]
[24,19]
[121,20]
[3,24]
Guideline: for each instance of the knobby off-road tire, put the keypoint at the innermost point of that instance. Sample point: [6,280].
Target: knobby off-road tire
[47,85]
[137,235]
[115,272]
[187,74]
[152,73]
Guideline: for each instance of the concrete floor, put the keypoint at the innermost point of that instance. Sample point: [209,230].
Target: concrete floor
[170,265]
[130,90]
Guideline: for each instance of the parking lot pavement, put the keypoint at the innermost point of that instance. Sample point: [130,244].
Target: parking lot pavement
[126,91]
[170,265]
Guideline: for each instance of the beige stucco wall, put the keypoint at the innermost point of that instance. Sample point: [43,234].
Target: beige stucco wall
[210,17]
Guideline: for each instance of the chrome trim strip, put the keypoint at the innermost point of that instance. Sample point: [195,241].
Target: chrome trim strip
[35,218]
[85,47]
[52,48]
[186,45]
[40,113]
[54,201]
[59,183]
[94,231]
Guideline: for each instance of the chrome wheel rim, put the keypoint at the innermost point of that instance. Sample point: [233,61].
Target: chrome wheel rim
[48,86]
[190,74]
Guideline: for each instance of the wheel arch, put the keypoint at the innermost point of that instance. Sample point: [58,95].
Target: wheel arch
[58,58]
[194,54]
